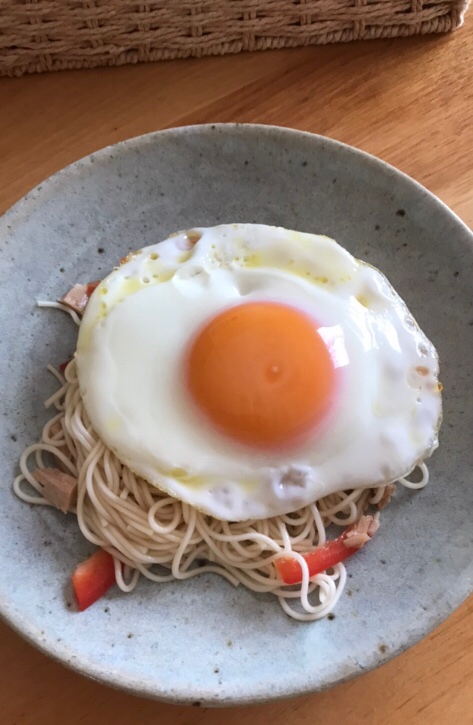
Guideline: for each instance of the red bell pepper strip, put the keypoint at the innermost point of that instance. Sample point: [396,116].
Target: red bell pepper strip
[92,578]
[330,553]
[92,286]
[63,366]
[318,560]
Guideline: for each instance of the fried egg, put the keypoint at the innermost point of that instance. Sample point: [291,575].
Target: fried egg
[250,370]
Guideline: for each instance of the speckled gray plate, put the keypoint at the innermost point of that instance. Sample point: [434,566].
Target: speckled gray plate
[202,640]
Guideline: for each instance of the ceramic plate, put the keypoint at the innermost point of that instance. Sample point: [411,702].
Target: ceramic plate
[202,641]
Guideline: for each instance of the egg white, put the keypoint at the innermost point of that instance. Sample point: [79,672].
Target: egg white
[132,345]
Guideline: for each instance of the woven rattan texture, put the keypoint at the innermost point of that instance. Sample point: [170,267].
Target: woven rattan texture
[39,35]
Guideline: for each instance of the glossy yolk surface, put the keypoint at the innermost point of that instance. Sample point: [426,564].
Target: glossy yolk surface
[261,373]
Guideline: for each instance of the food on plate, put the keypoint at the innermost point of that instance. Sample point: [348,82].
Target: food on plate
[235,390]
[93,578]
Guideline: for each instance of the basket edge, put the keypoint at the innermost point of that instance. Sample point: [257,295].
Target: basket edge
[443,25]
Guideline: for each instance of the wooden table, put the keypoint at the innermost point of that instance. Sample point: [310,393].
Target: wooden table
[409,102]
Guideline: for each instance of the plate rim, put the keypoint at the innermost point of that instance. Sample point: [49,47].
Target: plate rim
[141,139]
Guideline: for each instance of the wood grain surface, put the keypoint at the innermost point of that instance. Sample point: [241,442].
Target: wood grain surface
[409,102]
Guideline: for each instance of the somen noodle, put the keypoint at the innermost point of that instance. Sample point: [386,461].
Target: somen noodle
[143,527]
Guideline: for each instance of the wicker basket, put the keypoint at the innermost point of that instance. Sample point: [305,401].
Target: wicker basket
[39,35]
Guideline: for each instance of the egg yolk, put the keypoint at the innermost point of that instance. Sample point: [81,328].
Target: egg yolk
[261,373]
